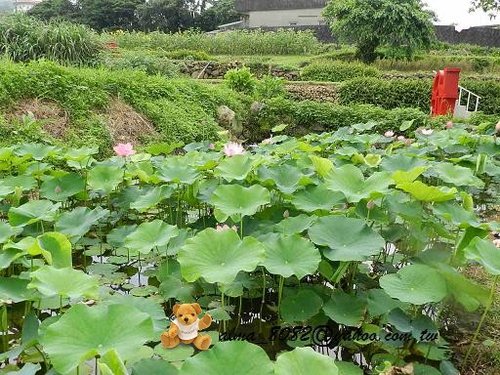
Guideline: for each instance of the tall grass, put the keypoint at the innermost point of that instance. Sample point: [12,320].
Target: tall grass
[241,42]
[24,38]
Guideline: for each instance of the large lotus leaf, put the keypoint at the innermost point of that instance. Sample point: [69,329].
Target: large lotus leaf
[8,255]
[65,282]
[239,200]
[346,309]
[228,358]
[295,225]
[348,239]
[322,166]
[304,361]
[32,212]
[379,302]
[76,223]
[150,197]
[348,368]
[350,181]
[105,178]
[291,255]
[6,232]
[219,256]
[234,168]
[23,182]
[456,175]
[154,366]
[417,284]
[286,177]
[300,306]
[485,253]
[36,151]
[177,170]
[148,236]
[317,198]
[456,214]
[401,162]
[55,248]
[427,193]
[111,364]
[401,177]
[84,332]
[117,235]
[173,287]
[14,290]
[62,187]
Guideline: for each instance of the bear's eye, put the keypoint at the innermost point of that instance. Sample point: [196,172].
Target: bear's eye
[180,315]
[192,314]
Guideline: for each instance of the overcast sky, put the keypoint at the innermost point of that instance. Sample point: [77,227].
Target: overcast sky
[457,12]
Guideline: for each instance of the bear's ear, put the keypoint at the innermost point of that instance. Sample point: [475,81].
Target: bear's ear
[175,308]
[196,308]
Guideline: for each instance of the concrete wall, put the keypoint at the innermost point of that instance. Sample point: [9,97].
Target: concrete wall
[291,17]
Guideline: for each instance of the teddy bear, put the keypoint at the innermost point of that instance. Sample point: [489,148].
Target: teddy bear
[185,327]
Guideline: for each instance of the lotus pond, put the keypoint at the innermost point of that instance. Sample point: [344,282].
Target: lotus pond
[330,254]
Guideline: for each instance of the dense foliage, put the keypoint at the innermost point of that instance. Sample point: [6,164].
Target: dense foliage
[24,38]
[346,230]
[402,25]
[337,71]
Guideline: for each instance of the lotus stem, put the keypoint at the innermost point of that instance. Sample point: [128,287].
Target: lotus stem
[483,317]
[280,292]
[223,308]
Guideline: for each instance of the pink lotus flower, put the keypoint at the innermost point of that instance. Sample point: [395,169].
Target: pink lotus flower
[233,148]
[497,128]
[427,131]
[449,125]
[389,134]
[211,146]
[401,138]
[124,149]
[221,228]
[267,141]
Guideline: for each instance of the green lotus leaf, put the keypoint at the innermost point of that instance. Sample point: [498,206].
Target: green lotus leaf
[322,166]
[154,366]
[238,200]
[456,214]
[364,127]
[225,357]
[300,306]
[236,168]
[55,248]
[219,256]
[105,178]
[291,255]
[348,368]
[485,253]
[32,212]
[317,198]
[179,353]
[350,181]
[148,236]
[427,193]
[8,255]
[6,232]
[62,187]
[304,361]
[173,287]
[76,223]
[401,162]
[456,175]
[417,284]
[14,290]
[111,364]
[421,369]
[286,177]
[379,302]
[150,196]
[401,177]
[346,309]
[23,182]
[84,332]
[177,170]
[36,151]
[295,225]
[116,237]
[64,282]
[28,369]
[348,239]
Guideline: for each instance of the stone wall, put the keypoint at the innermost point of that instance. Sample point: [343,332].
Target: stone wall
[482,36]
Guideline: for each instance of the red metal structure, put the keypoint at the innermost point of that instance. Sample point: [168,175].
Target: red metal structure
[445,92]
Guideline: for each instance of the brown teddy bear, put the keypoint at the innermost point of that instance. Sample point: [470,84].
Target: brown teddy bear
[186,326]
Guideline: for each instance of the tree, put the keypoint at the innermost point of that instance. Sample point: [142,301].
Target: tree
[109,14]
[222,12]
[487,5]
[164,15]
[402,25]
[51,9]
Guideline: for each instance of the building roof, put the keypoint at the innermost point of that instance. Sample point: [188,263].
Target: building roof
[263,5]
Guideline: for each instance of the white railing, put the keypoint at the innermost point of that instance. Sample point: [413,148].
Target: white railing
[470,96]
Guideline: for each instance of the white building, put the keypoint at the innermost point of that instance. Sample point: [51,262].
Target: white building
[25,5]
[280,13]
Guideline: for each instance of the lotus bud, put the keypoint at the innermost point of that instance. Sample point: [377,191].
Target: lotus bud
[286,214]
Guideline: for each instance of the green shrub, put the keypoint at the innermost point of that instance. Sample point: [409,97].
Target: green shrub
[337,71]
[270,87]
[241,80]
[488,90]
[23,38]
[240,42]
[185,54]
[144,63]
